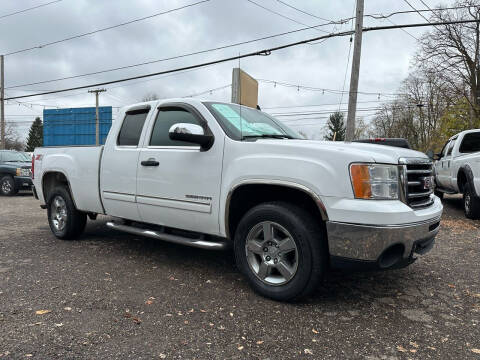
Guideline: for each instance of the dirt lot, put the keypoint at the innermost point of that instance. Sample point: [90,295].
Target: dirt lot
[111,295]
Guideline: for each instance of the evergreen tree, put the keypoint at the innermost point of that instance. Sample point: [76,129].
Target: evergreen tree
[35,136]
[336,125]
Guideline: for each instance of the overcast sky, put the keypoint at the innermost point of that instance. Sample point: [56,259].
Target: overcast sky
[386,55]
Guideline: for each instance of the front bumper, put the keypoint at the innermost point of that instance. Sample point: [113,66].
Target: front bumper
[382,246]
[23,182]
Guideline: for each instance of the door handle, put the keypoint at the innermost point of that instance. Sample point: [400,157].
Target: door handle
[150,162]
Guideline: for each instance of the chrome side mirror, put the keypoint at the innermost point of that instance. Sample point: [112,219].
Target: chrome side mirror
[191,133]
[186,128]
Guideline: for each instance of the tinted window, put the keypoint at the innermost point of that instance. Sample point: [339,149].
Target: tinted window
[131,129]
[165,119]
[470,143]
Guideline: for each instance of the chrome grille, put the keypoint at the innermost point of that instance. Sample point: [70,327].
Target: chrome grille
[418,182]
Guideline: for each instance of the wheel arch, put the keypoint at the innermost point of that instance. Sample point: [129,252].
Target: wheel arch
[247,194]
[464,176]
[53,178]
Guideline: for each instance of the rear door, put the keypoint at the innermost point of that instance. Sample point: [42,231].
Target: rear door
[119,165]
[183,190]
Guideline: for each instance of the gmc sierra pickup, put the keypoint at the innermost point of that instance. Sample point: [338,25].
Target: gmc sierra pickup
[457,170]
[209,174]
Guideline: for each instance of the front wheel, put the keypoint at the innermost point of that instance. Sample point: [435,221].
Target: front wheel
[281,249]
[471,203]
[65,221]
[7,186]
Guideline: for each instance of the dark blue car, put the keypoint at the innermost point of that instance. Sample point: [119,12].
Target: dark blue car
[15,172]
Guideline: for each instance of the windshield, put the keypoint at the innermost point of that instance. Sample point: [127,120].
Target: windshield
[251,124]
[13,156]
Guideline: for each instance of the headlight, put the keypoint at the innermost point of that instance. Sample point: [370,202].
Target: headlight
[23,172]
[374,181]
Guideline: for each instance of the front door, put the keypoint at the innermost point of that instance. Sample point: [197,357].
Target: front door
[443,166]
[178,184]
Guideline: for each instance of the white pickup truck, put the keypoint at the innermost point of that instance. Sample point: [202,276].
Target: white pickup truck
[211,174]
[457,170]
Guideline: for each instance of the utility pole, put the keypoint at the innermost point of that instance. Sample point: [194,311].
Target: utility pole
[97,115]
[2,104]
[357,49]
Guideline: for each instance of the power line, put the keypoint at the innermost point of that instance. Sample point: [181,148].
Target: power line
[405,31]
[419,13]
[105,28]
[281,15]
[183,55]
[302,11]
[264,52]
[208,91]
[332,91]
[32,8]
[382,16]
[165,59]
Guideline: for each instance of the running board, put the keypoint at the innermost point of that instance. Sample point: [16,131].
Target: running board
[448,192]
[198,243]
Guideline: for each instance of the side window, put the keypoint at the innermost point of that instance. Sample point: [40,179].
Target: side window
[470,143]
[450,147]
[167,117]
[132,128]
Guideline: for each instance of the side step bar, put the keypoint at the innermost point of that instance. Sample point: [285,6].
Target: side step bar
[449,192]
[198,243]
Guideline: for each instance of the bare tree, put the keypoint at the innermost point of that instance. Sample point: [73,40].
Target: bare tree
[150,97]
[12,139]
[453,53]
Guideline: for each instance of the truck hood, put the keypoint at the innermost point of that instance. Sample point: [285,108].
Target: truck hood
[358,151]
[23,165]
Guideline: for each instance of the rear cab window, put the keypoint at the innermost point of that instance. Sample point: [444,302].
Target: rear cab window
[132,126]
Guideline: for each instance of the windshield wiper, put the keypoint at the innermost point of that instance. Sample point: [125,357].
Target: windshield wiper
[268,136]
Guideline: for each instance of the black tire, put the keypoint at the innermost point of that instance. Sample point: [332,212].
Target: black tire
[75,220]
[471,203]
[7,186]
[311,245]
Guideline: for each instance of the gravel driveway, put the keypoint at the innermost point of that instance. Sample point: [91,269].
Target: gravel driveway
[111,295]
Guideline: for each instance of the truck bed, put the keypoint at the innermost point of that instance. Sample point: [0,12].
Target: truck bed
[80,165]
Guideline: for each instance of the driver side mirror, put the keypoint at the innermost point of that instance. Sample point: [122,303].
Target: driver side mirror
[432,155]
[191,133]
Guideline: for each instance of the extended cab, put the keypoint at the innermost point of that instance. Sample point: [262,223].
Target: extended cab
[457,170]
[211,174]
[14,172]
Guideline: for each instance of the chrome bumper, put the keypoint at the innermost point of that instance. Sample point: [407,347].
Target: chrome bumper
[369,242]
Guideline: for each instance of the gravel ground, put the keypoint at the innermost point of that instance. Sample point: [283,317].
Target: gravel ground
[111,295]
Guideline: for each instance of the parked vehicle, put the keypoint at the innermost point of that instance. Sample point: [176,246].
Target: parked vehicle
[398,142]
[457,170]
[210,174]
[14,172]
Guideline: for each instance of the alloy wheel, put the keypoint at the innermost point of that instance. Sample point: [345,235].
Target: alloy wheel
[272,253]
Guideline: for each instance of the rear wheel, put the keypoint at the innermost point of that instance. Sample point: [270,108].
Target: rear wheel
[471,203]
[65,221]
[7,186]
[281,249]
